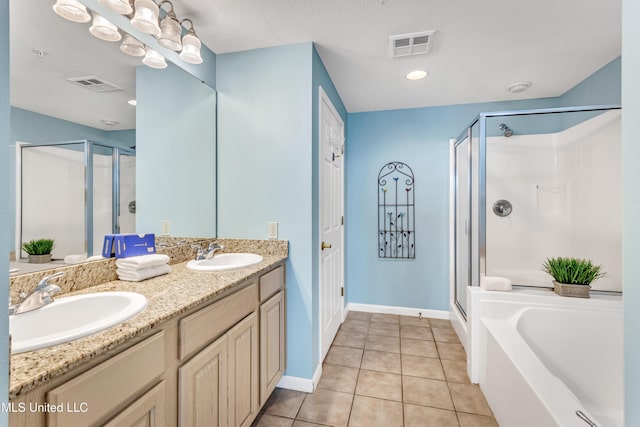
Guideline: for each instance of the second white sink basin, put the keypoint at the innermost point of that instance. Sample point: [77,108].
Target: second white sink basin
[70,318]
[225,262]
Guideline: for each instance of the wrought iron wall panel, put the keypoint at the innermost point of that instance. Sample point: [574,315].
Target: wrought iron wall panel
[396,211]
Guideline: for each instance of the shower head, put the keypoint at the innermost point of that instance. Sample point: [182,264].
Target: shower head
[505,130]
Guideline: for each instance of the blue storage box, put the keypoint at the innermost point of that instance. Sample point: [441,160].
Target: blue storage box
[108,248]
[128,245]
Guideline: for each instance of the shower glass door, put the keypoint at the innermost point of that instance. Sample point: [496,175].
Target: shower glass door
[462,211]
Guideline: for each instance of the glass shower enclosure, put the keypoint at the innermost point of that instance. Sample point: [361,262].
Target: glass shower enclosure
[75,192]
[533,184]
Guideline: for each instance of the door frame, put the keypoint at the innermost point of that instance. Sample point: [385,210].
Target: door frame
[323,97]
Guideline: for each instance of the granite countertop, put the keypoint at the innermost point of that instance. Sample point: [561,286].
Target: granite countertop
[168,297]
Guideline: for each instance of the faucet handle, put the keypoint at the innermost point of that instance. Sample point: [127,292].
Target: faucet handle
[45,281]
[200,253]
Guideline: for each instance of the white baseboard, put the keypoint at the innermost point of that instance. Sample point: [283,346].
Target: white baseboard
[301,384]
[403,311]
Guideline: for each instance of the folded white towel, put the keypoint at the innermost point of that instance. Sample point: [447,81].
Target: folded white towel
[75,259]
[495,283]
[95,258]
[143,261]
[131,275]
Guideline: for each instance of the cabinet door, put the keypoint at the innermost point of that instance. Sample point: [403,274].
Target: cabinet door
[243,372]
[203,387]
[272,344]
[147,411]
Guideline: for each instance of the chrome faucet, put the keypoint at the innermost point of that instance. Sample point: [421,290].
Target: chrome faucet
[42,295]
[209,253]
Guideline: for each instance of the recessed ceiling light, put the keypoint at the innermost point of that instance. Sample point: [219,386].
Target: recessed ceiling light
[132,102]
[109,122]
[416,75]
[519,87]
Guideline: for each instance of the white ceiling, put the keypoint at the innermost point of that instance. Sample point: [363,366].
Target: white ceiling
[479,48]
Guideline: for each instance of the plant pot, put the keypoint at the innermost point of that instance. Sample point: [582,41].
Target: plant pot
[39,259]
[569,290]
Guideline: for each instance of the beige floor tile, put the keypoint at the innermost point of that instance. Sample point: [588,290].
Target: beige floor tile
[381,328]
[451,351]
[425,367]
[416,332]
[350,339]
[424,416]
[415,321]
[387,318]
[359,326]
[266,420]
[300,423]
[473,420]
[382,385]
[456,371]
[440,323]
[326,407]
[469,398]
[445,335]
[284,403]
[338,378]
[382,343]
[358,315]
[381,361]
[426,392]
[344,356]
[418,347]
[370,412]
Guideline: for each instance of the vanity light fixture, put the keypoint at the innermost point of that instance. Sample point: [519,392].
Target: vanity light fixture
[131,46]
[154,60]
[72,10]
[190,45]
[170,29]
[122,7]
[146,17]
[103,29]
[416,75]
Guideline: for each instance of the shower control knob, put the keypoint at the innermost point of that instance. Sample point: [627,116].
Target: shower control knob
[502,208]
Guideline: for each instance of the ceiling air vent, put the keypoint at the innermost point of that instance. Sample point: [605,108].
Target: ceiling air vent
[94,83]
[410,44]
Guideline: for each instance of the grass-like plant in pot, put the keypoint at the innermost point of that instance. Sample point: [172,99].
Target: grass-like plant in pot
[572,277]
[39,250]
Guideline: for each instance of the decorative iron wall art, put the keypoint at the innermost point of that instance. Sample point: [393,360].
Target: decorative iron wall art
[396,211]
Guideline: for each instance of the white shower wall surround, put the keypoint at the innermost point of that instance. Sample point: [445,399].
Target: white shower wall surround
[565,189]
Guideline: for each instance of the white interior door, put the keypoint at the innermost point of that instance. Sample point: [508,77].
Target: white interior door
[331,222]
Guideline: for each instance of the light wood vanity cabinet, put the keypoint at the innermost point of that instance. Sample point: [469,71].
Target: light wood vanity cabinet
[214,366]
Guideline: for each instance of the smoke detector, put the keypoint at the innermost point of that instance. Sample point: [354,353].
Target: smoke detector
[410,44]
[94,83]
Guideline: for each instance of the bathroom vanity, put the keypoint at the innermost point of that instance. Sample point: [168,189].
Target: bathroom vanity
[208,350]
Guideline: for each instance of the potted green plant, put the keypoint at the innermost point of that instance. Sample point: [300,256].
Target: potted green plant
[572,277]
[39,250]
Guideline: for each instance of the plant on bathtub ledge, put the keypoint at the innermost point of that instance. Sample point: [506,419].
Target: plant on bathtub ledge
[572,276]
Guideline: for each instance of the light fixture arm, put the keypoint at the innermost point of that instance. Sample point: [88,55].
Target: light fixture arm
[190,30]
[170,12]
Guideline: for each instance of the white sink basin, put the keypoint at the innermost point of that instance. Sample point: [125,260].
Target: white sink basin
[70,318]
[224,262]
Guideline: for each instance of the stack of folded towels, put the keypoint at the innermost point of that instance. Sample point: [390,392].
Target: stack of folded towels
[495,283]
[137,268]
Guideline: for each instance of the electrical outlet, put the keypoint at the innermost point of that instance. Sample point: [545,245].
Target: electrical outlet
[272,230]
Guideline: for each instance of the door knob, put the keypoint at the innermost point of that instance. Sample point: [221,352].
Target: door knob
[325,246]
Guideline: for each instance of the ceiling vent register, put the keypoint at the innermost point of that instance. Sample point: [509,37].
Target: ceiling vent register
[94,83]
[410,44]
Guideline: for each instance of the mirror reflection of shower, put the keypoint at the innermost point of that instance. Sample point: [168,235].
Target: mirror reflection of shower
[505,130]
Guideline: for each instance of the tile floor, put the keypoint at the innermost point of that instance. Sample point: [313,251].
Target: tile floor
[386,370]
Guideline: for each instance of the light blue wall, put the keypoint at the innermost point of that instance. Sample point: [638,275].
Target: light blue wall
[419,137]
[175,153]
[631,206]
[27,126]
[265,170]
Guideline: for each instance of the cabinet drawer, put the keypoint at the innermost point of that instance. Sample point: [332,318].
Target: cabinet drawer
[271,283]
[204,326]
[102,389]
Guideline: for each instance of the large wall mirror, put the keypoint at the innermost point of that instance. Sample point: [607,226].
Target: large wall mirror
[70,98]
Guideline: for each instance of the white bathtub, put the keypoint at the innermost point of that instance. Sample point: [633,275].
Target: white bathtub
[541,358]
